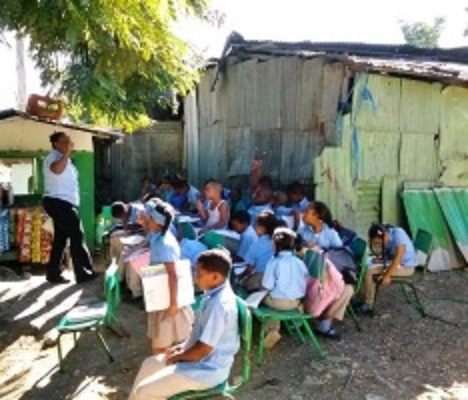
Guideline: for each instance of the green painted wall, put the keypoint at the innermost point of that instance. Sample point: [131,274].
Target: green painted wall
[84,161]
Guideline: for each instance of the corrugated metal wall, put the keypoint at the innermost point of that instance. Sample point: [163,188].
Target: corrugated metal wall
[398,131]
[281,110]
[150,152]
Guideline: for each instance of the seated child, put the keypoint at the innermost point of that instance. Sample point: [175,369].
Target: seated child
[260,252]
[171,326]
[189,193]
[262,192]
[285,278]
[319,235]
[280,205]
[394,242]
[216,212]
[165,190]
[206,359]
[297,200]
[236,202]
[240,222]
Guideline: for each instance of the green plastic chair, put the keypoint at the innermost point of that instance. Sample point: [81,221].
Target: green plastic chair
[225,389]
[188,231]
[360,251]
[294,321]
[423,243]
[213,240]
[101,313]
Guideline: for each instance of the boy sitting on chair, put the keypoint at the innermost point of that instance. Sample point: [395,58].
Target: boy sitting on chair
[205,360]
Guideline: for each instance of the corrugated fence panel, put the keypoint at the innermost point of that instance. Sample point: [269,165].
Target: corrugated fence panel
[240,148]
[368,205]
[291,79]
[376,103]
[454,204]
[418,157]
[379,154]
[332,177]
[212,153]
[333,75]
[310,95]
[423,212]
[454,137]
[419,107]
[267,103]
[204,98]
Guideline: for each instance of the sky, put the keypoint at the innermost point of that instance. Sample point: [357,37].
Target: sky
[369,21]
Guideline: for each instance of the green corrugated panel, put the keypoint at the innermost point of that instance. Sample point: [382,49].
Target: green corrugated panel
[454,137]
[418,157]
[376,103]
[391,201]
[368,205]
[423,212]
[454,203]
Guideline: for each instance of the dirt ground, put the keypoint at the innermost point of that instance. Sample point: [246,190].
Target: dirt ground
[399,355]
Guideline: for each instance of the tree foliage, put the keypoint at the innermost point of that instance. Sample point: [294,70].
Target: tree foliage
[422,34]
[111,59]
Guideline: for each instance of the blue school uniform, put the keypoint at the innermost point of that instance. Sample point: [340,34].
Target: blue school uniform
[177,200]
[163,248]
[286,277]
[247,238]
[193,195]
[255,211]
[302,205]
[397,237]
[216,325]
[327,239]
[283,211]
[260,253]
[134,211]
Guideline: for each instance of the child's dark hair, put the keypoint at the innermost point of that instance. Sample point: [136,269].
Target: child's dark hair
[56,136]
[377,230]
[165,209]
[241,216]
[118,209]
[285,239]
[268,220]
[295,188]
[322,211]
[265,181]
[180,183]
[215,260]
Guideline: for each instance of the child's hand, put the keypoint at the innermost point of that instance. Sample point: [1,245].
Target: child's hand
[386,280]
[199,206]
[172,310]
[173,359]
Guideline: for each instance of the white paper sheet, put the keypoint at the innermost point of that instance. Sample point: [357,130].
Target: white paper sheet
[254,299]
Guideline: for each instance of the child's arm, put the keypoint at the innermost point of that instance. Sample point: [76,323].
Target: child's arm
[201,210]
[255,173]
[173,289]
[400,252]
[268,281]
[195,353]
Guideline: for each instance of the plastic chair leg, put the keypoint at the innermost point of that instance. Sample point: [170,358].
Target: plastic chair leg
[376,295]
[298,327]
[261,344]
[405,294]
[418,304]
[75,342]
[59,350]
[104,345]
[352,314]
[313,340]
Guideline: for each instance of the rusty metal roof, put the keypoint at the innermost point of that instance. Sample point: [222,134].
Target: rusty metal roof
[444,65]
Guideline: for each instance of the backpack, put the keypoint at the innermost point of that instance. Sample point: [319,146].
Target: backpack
[323,290]
[344,261]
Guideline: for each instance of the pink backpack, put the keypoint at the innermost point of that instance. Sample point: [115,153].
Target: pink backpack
[324,290]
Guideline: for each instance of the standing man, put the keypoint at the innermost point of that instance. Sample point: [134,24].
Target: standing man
[61,202]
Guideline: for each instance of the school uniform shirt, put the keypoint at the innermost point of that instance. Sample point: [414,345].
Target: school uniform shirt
[247,238]
[327,239]
[285,277]
[397,237]
[260,253]
[62,186]
[255,211]
[191,250]
[163,248]
[283,211]
[134,211]
[302,205]
[216,325]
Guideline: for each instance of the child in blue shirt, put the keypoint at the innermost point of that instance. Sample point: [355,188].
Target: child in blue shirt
[240,223]
[171,326]
[394,242]
[285,278]
[260,252]
[206,359]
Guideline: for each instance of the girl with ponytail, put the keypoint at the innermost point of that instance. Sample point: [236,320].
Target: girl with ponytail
[171,326]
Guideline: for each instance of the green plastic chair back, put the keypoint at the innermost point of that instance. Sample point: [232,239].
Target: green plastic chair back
[112,292]
[315,263]
[213,240]
[359,248]
[107,213]
[188,231]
